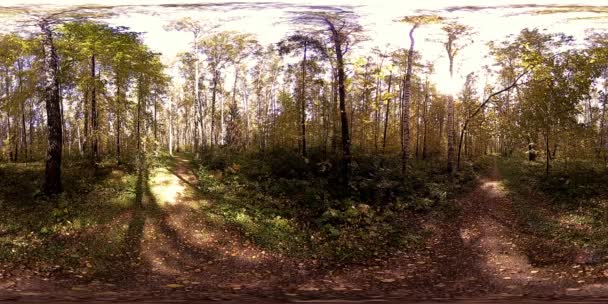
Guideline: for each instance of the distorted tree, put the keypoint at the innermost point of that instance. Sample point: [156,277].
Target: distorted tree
[416,21]
[456,40]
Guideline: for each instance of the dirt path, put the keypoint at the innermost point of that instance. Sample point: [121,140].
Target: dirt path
[183,248]
[493,231]
[478,253]
[175,250]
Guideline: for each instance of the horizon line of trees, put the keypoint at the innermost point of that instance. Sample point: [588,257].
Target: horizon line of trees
[94,91]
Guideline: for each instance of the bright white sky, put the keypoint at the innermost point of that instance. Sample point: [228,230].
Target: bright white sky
[377,17]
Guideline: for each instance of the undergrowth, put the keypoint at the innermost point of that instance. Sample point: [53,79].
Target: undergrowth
[568,208]
[296,205]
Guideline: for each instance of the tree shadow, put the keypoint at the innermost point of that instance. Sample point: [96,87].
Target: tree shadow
[190,243]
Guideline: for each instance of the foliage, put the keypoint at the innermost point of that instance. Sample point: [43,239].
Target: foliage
[255,190]
[568,207]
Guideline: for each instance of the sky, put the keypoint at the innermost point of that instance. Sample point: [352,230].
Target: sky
[267,20]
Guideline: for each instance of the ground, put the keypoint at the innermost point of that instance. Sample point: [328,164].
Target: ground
[172,253]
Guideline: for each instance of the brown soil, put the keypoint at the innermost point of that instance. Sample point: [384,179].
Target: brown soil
[481,253]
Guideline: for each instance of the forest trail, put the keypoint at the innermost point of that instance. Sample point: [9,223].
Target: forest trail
[495,252]
[184,248]
[176,248]
[480,252]
[489,231]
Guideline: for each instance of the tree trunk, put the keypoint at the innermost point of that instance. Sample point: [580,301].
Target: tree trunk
[334,112]
[346,157]
[23,129]
[213,95]
[378,107]
[222,125]
[450,122]
[85,142]
[547,153]
[197,101]
[424,120]
[406,105]
[139,100]
[118,116]
[171,126]
[52,174]
[7,92]
[247,114]
[462,133]
[155,124]
[303,104]
[386,114]
[79,138]
[232,132]
[418,130]
[94,119]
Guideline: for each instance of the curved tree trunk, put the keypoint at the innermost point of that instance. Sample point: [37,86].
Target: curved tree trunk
[405,153]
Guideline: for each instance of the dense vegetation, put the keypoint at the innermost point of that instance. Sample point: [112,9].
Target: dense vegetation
[309,147]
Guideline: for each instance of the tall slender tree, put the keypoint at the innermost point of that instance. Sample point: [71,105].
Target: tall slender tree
[52,176]
[304,43]
[456,40]
[416,21]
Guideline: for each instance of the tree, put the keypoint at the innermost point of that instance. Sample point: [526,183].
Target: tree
[52,98]
[244,45]
[220,49]
[454,43]
[123,51]
[291,44]
[195,27]
[343,31]
[416,21]
[89,40]
[480,108]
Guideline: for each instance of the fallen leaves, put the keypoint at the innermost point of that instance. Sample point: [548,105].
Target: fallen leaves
[308,288]
[174,286]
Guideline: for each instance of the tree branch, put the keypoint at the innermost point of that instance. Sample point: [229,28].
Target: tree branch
[487,100]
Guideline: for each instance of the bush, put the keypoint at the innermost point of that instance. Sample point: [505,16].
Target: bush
[304,194]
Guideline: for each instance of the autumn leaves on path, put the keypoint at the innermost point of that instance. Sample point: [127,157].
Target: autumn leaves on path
[500,254]
[176,245]
[182,247]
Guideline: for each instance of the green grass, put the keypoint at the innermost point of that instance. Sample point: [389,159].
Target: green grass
[80,230]
[569,208]
[282,204]
[290,205]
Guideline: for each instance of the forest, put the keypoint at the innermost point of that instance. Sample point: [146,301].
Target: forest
[318,166]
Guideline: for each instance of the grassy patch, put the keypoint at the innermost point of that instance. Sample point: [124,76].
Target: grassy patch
[293,205]
[567,208]
[79,232]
